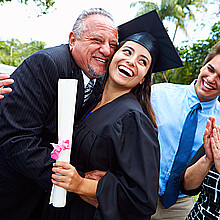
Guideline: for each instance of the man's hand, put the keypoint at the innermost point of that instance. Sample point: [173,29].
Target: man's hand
[93,175]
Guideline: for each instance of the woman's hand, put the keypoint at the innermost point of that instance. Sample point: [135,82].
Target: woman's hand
[66,176]
[4,81]
[215,144]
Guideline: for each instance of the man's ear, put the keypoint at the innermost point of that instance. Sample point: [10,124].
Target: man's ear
[72,40]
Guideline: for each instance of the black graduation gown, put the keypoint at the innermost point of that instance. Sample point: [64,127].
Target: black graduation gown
[120,139]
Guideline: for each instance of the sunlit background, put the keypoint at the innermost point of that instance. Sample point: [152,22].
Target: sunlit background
[22,22]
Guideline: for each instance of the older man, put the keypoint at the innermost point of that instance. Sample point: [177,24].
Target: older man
[28,114]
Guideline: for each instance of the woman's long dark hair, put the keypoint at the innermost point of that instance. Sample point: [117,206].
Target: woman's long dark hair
[141,92]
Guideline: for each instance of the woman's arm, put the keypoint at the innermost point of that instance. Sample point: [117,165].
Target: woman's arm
[130,186]
[68,178]
[196,173]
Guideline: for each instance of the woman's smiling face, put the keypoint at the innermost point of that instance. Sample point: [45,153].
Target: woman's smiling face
[208,83]
[129,65]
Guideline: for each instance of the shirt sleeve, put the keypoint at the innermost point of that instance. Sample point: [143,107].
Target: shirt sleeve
[26,128]
[131,192]
[192,192]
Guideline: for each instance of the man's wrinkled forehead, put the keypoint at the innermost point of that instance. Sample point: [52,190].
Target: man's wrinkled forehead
[103,23]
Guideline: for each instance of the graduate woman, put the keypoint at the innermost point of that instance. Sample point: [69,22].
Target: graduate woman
[119,134]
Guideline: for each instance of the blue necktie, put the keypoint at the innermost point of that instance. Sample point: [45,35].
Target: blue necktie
[172,191]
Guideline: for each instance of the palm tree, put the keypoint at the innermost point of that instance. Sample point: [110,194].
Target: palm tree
[173,10]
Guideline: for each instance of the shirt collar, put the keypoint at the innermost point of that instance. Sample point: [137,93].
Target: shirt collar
[86,79]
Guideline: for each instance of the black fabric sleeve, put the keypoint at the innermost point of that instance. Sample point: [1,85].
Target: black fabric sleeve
[192,192]
[27,120]
[131,191]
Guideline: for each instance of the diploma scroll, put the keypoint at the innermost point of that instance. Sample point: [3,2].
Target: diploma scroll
[67,90]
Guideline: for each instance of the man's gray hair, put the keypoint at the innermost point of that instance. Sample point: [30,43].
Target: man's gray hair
[79,27]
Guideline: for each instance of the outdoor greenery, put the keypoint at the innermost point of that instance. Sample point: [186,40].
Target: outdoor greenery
[192,57]
[180,12]
[13,52]
[176,11]
[42,5]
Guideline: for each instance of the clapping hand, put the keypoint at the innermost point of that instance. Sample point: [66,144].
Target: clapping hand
[215,143]
[211,139]
[207,138]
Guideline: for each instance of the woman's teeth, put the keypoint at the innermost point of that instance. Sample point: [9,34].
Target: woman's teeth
[125,71]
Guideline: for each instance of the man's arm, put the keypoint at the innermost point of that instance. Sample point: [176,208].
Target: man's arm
[28,120]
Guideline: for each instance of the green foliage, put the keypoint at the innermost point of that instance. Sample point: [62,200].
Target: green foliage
[192,57]
[42,5]
[13,52]
[145,7]
[177,11]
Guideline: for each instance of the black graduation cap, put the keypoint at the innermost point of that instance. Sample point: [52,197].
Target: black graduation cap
[148,30]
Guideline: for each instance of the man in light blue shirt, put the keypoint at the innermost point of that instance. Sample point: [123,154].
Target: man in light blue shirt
[172,103]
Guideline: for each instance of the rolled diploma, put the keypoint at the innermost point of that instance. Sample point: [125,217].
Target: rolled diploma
[67,90]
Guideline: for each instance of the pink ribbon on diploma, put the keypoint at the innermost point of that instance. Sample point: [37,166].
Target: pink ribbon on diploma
[59,148]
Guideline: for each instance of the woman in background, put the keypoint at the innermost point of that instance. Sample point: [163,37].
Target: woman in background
[5,81]
[203,176]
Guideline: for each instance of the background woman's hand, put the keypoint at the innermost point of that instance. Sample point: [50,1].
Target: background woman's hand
[215,143]
[4,81]
[207,138]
